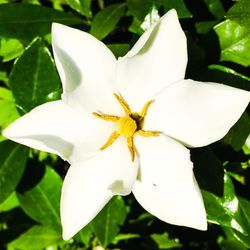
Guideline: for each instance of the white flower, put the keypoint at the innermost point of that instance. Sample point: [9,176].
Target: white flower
[152,162]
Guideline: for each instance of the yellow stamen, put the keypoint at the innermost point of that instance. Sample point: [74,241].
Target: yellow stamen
[131,147]
[126,126]
[124,105]
[112,118]
[145,109]
[110,140]
[148,133]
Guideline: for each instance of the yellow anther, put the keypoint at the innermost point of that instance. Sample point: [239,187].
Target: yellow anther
[148,133]
[123,103]
[126,126]
[131,147]
[110,140]
[145,109]
[112,118]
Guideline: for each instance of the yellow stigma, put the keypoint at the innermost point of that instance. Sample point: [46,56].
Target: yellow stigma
[126,126]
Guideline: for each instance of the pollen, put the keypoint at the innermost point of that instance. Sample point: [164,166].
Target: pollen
[127,125]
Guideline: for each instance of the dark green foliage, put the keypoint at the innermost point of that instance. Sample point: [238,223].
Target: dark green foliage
[218,36]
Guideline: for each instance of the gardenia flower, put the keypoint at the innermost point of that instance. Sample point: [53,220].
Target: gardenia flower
[122,124]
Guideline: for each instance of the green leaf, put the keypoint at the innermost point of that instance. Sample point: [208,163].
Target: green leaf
[81,6]
[41,202]
[234,42]
[26,21]
[12,163]
[10,203]
[34,77]
[8,108]
[10,49]
[37,237]
[152,17]
[125,237]
[225,210]
[163,241]
[238,134]
[119,49]
[216,8]
[107,224]
[85,235]
[140,8]
[105,20]
[240,13]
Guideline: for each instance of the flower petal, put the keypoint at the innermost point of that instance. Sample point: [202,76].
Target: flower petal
[86,67]
[88,186]
[167,187]
[196,113]
[157,59]
[56,128]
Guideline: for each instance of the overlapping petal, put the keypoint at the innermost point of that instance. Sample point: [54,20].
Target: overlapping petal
[157,59]
[196,113]
[56,128]
[167,187]
[90,185]
[87,69]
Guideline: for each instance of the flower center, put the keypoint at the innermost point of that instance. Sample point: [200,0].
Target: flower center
[127,125]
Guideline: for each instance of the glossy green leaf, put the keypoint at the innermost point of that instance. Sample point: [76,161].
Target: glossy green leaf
[236,236]
[105,21]
[26,21]
[240,13]
[10,203]
[81,6]
[37,237]
[8,109]
[225,210]
[234,42]
[10,49]
[164,242]
[34,77]
[238,134]
[41,202]
[140,8]
[107,223]
[12,163]
[122,237]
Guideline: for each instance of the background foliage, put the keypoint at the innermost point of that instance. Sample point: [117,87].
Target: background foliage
[30,181]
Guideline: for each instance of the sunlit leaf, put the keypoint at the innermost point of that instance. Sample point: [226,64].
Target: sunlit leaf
[234,42]
[240,13]
[107,223]
[12,163]
[10,49]
[225,210]
[34,77]
[37,237]
[81,6]
[41,202]
[105,21]
[26,21]
[164,242]
[10,203]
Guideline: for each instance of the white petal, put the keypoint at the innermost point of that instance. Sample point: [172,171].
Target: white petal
[196,113]
[157,59]
[86,67]
[54,127]
[167,187]
[89,186]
